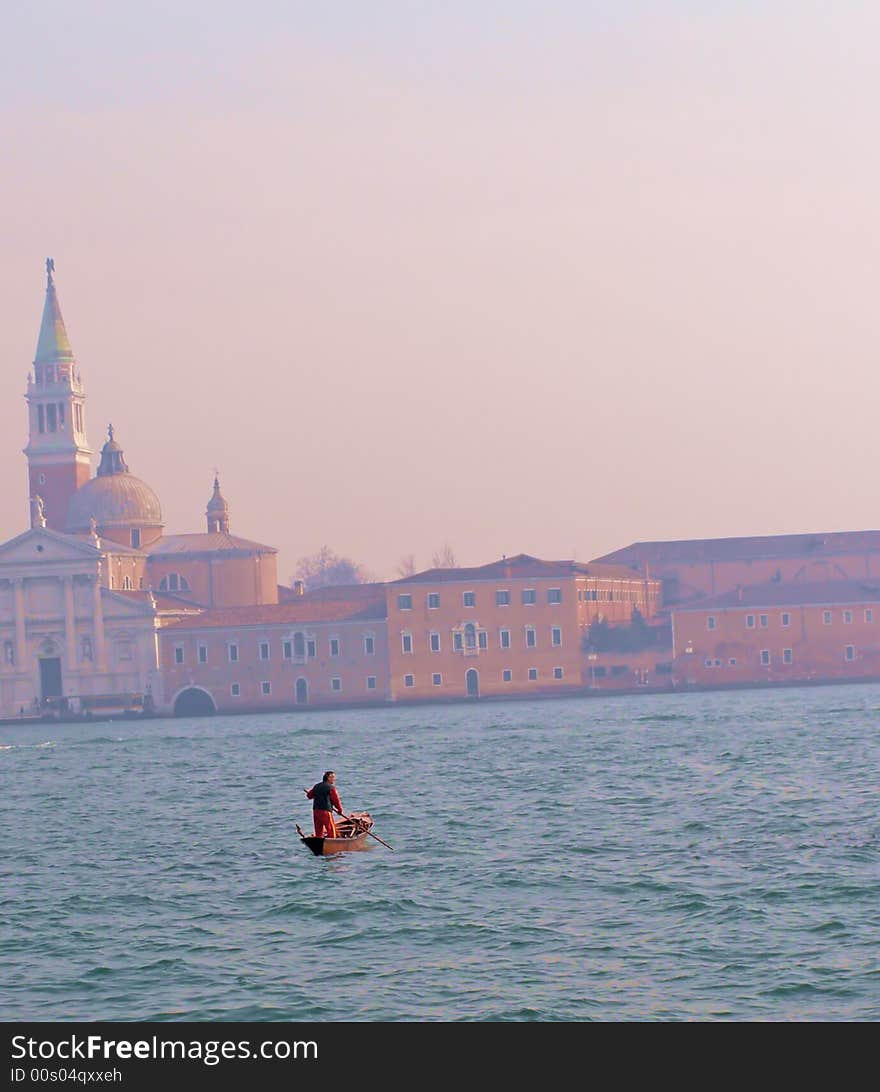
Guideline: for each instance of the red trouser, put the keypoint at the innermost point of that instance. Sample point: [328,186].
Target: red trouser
[324,825]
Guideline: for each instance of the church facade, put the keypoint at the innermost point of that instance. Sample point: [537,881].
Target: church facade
[86,592]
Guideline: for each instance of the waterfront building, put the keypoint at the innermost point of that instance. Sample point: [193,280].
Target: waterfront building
[778,633]
[691,569]
[102,611]
[325,648]
[514,626]
[70,642]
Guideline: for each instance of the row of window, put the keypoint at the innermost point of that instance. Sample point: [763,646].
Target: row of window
[609,595]
[762,621]
[298,647]
[506,676]
[409,681]
[172,582]
[528,596]
[124,651]
[849,655]
[470,637]
[301,690]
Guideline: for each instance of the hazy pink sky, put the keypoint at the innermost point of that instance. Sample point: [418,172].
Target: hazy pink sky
[543,277]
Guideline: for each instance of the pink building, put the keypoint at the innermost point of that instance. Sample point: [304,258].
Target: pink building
[778,633]
[326,648]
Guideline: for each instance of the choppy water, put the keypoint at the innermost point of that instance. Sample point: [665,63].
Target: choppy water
[677,857]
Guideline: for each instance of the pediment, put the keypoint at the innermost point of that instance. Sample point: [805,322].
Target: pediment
[40,546]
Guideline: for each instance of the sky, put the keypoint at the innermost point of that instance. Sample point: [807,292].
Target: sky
[545,277]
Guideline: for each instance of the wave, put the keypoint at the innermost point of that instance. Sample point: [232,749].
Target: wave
[659,717]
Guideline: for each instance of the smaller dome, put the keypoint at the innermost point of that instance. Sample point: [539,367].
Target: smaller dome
[112,459]
[217,503]
[217,511]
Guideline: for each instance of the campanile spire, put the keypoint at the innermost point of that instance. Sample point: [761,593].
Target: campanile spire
[57,452]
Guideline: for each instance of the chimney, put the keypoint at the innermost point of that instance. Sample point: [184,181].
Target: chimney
[298,587]
[739,593]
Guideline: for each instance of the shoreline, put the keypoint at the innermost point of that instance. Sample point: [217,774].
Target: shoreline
[546,695]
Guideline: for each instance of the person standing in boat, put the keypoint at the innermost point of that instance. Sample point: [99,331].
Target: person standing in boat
[326,801]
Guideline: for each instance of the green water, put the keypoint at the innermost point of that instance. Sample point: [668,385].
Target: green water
[705,856]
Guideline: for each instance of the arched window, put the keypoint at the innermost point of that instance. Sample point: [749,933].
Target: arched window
[174,582]
[126,583]
[470,635]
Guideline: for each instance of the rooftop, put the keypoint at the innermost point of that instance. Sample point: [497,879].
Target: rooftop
[792,594]
[742,549]
[164,603]
[206,542]
[524,567]
[366,604]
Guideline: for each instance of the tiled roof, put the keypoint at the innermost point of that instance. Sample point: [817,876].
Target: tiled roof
[743,549]
[302,609]
[163,602]
[602,570]
[524,567]
[790,594]
[204,543]
[351,592]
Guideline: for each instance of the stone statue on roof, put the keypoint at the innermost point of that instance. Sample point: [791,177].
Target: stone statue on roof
[38,511]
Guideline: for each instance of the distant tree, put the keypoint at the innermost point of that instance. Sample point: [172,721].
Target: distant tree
[633,636]
[639,629]
[327,569]
[596,638]
[407,565]
[445,558]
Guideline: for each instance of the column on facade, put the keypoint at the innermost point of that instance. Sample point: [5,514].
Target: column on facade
[98,622]
[20,627]
[69,624]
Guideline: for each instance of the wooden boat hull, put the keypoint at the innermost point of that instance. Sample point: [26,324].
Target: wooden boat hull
[355,830]
[323,847]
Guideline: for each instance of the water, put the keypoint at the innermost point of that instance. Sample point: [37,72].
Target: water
[704,856]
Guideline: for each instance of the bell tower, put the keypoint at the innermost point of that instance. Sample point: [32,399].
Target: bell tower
[57,452]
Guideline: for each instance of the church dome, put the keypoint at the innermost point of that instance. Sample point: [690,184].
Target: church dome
[113,499]
[120,500]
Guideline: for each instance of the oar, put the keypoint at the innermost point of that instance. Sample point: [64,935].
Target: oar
[371,834]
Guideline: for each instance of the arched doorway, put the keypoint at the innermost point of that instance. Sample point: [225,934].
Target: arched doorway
[302,692]
[194,702]
[472,681]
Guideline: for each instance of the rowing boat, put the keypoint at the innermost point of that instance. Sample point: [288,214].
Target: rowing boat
[353,833]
